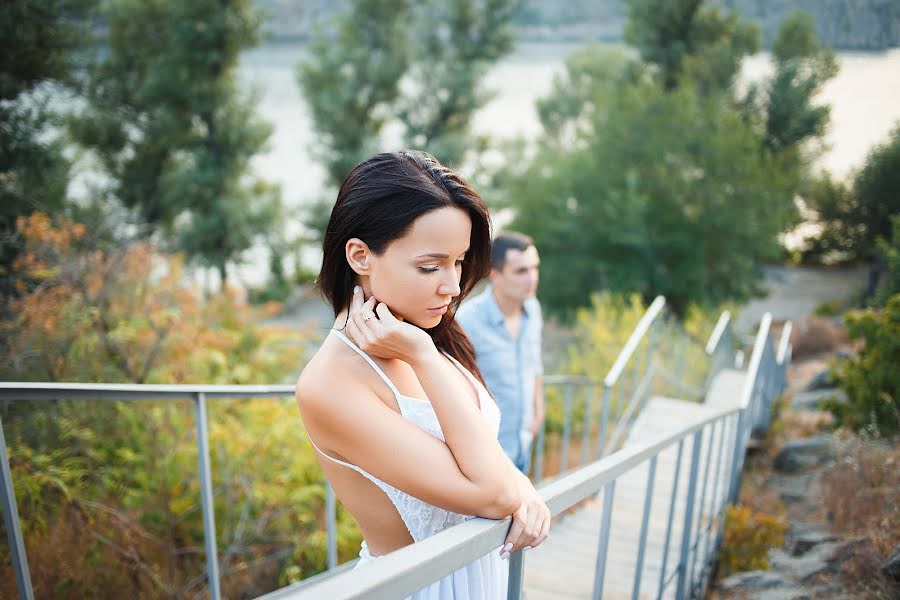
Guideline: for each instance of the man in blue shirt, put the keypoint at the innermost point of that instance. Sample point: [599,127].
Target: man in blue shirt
[504,323]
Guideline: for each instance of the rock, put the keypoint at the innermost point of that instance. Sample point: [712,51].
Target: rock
[802,568]
[799,455]
[891,567]
[762,585]
[784,593]
[792,488]
[801,537]
[820,381]
[812,400]
[754,580]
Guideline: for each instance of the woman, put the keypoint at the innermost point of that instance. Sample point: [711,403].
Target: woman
[393,401]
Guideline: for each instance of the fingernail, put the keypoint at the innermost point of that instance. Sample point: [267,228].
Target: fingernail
[526,548]
[504,556]
[507,547]
[356,289]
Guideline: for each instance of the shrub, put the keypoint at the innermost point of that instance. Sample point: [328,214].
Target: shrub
[748,537]
[872,379]
[819,336]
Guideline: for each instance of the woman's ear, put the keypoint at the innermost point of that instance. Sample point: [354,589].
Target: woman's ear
[358,253]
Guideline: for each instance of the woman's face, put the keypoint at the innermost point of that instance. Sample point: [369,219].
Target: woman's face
[418,274]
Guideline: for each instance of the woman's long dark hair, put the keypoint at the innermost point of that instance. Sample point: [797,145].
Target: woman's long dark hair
[378,202]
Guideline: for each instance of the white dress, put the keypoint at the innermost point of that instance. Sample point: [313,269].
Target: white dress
[483,579]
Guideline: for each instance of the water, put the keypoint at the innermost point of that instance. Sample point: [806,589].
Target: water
[863,97]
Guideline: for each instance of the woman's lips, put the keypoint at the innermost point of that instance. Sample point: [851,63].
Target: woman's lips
[438,311]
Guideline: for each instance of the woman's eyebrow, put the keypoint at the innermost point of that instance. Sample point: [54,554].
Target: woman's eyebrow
[436,255]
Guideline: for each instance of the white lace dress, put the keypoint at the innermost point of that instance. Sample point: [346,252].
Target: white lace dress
[482,579]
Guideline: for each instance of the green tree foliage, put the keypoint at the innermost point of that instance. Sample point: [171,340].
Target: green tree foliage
[855,218]
[678,36]
[647,190]
[38,42]
[171,129]
[351,80]
[802,66]
[417,63]
[871,379]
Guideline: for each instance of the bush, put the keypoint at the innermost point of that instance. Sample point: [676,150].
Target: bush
[872,379]
[819,336]
[748,537]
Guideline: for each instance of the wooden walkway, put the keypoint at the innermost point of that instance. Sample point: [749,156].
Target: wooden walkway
[563,567]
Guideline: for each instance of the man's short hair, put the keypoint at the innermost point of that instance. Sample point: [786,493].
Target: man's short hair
[506,241]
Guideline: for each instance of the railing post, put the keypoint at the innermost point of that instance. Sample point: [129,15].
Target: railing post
[604,420]
[567,428]
[734,488]
[645,518]
[609,490]
[539,450]
[588,423]
[716,508]
[13,524]
[688,518]
[665,557]
[709,456]
[516,572]
[206,497]
[331,525]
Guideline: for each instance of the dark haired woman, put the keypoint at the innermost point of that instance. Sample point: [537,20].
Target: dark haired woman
[393,402]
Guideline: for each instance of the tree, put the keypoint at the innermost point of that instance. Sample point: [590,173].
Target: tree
[647,190]
[38,43]
[388,59]
[856,217]
[682,35]
[802,67]
[351,78]
[171,129]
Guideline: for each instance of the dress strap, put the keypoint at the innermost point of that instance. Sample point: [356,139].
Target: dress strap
[341,462]
[368,360]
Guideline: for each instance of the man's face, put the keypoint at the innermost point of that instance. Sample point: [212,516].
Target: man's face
[518,278]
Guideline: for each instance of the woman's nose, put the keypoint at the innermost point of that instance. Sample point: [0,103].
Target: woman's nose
[450,286]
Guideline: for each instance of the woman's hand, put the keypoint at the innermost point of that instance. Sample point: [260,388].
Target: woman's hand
[531,522]
[377,332]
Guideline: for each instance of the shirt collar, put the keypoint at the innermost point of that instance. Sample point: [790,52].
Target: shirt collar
[494,312]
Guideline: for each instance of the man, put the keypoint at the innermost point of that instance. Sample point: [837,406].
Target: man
[504,323]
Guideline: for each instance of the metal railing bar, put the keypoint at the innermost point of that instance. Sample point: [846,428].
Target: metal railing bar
[206,499]
[783,344]
[687,525]
[609,493]
[717,332]
[19,390]
[645,521]
[651,313]
[665,557]
[13,525]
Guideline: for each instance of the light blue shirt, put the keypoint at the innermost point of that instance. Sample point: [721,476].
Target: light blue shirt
[509,365]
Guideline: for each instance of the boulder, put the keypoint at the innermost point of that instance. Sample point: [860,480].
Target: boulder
[802,537]
[813,400]
[799,455]
[891,566]
[820,381]
[762,585]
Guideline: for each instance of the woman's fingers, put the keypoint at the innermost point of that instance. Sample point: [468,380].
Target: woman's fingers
[515,531]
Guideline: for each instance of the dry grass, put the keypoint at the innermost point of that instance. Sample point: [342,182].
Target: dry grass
[861,496]
[817,336]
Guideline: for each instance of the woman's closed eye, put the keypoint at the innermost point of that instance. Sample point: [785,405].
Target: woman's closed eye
[436,268]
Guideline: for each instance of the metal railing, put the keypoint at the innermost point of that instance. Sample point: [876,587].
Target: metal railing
[716,441]
[199,394]
[407,570]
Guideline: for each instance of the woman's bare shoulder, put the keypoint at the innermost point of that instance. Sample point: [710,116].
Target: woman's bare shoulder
[331,376]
